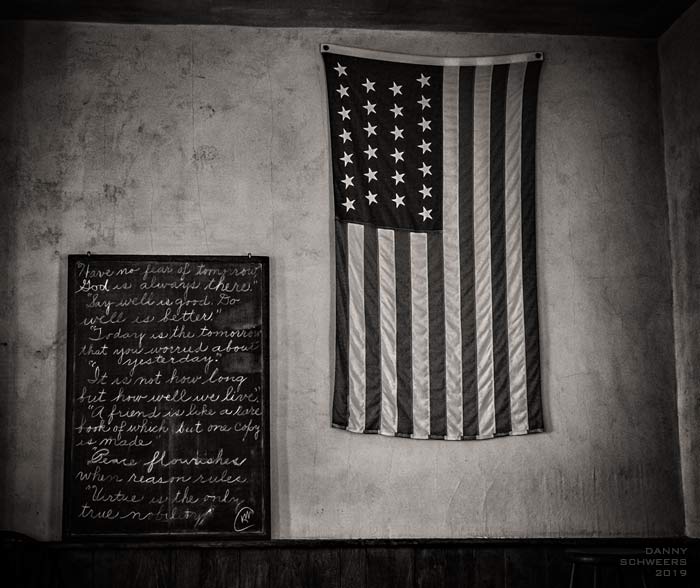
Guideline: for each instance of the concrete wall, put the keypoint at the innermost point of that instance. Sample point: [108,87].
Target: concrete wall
[679,49]
[144,139]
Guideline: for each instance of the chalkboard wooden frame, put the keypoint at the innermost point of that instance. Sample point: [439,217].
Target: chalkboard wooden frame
[264,533]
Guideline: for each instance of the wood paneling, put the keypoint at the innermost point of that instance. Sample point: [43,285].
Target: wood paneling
[588,17]
[557,568]
[526,567]
[142,568]
[331,564]
[490,568]
[287,568]
[460,567]
[353,568]
[186,567]
[323,569]
[431,567]
[26,565]
[221,568]
[390,567]
[214,568]
[254,568]
[70,569]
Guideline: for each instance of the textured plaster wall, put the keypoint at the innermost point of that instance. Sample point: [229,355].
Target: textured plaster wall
[144,139]
[679,56]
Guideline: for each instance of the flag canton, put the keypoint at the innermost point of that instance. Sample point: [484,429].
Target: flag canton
[386,142]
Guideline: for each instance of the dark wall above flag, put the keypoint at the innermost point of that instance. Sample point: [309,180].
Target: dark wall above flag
[621,18]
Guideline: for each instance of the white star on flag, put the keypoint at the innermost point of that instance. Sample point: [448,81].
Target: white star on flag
[396,89]
[398,200]
[343,91]
[426,192]
[397,110]
[370,152]
[424,124]
[346,158]
[398,133]
[348,181]
[398,178]
[341,70]
[424,146]
[371,198]
[397,155]
[345,113]
[426,213]
[370,129]
[345,136]
[425,169]
[424,102]
[348,204]
[371,175]
[369,86]
[369,107]
[423,80]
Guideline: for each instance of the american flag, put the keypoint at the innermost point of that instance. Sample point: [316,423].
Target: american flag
[436,287]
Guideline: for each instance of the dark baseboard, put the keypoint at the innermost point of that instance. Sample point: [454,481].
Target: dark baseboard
[663,562]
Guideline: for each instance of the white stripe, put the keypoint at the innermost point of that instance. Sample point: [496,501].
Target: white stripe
[428,59]
[387,328]
[419,336]
[482,250]
[514,268]
[450,233]
[356,327]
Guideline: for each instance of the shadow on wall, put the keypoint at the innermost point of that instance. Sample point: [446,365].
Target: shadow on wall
[18,505]
[11,74]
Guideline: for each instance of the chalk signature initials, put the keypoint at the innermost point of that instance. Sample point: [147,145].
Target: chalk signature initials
[242,519]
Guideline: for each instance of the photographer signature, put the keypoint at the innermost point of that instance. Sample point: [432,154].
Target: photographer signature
[242,520]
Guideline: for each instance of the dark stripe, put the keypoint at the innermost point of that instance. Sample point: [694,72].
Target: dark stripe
[470,396]
[532,336]
[340,393]
[404,371]
[373,397]
[436,341]
[499,282]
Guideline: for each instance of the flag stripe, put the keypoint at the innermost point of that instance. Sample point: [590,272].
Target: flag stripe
[436,327]
[387,328]
[404,377]
[532,345]
[482,251]
[373,365]
[356,347]
[470,415]
[516,323]
[419,336]
[499,305]
[450,223]
[340,396]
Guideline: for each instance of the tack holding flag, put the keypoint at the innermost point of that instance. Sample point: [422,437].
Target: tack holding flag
[433,166]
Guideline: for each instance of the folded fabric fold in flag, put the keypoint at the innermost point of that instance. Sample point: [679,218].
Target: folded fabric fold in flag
[433,165]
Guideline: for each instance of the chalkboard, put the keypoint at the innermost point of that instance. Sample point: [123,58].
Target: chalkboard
[167,412]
